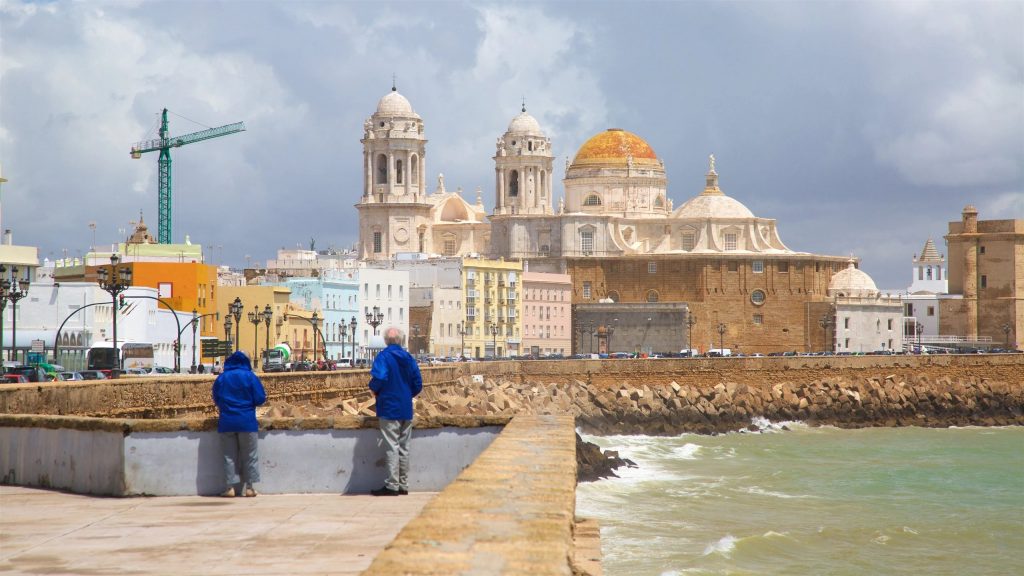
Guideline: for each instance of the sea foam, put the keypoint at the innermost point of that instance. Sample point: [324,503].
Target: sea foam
[724,546]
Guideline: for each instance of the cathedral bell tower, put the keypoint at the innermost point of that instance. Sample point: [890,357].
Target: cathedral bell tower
[394,199]
[522,169]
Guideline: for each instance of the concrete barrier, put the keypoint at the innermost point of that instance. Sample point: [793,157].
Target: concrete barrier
[182,457]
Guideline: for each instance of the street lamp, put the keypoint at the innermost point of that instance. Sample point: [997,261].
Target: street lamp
[352,328]
[920,328]
[235,309]
[255,317]
[375,318]
[416,335]
[17,290]
[268,315]
[494,339]
[463,331]
[826,322]
[690,321]
[721,338]
[315,320]
[1006,335]
[195,326]
[114,281]
[5,285]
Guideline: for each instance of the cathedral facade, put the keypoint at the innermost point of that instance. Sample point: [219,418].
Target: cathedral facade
[616,232]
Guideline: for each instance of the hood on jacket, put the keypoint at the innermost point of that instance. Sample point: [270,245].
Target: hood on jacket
[238,361]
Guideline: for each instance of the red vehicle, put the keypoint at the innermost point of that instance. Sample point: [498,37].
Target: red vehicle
[15,379]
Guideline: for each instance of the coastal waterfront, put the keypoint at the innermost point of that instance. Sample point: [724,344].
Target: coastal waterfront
[813,501]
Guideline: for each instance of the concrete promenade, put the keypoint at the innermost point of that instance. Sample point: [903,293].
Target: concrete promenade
[47,532]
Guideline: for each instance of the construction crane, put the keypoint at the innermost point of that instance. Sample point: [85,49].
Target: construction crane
[164,144]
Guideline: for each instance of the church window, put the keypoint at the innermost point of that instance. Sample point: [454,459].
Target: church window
[757,266]
[734,266]
[784,267]
[757,297]
[513,183]
[984,281]
[587,241]
[929,273]
[382,169]
[376,242]
[449,247]
[586,290]
[398,171]
[659,202]
[529,145]
[889,324]
[592,200]
[730,241]
[688,241]
[846,323]
[652,267]
[652,295]
[758,319]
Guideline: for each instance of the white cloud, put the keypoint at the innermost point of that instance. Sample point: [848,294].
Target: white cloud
[1005,206]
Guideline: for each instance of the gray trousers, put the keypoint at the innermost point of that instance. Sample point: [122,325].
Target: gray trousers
[397,434]
[241,458]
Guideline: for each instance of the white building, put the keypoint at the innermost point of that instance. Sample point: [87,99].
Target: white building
[865,320]
[386,291]
[436,287]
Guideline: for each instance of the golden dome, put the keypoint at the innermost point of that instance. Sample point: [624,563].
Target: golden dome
[614,147]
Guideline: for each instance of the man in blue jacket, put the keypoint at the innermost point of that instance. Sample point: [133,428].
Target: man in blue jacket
[237,392]
[395,380]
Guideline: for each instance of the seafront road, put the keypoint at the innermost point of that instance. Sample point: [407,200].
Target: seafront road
[49,532]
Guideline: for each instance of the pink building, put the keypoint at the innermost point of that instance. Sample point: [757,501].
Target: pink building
[547,313]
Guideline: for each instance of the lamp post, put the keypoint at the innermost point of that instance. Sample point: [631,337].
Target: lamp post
[416,335]
[18,289]
[375,318]
[690,321]
[5,285]
[721,338]
[919,328]
[194,322]
[114,280]
[268,315]
[315,320]
[462,332]
[826,322]
[255,317]
[342,332]
[494,339]
[235,309]
[352,334]
[1006,335]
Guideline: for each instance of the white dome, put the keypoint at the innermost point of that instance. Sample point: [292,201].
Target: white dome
[524,124]
[852,282]
[712,206]
[394,104]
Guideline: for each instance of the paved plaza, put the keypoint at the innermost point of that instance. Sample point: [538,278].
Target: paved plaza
[48,532]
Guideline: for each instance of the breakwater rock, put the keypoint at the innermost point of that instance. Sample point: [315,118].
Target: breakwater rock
[632,407]
[594,464]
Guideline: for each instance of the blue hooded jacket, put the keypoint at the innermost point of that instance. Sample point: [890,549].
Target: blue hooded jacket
[395,379]
[237,392]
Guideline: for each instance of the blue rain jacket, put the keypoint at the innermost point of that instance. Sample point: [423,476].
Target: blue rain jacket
[395,379]
[237,392]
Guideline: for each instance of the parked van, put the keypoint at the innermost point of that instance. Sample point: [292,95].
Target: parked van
[719,352]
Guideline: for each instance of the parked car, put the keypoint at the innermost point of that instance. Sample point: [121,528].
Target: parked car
[134,372]
[93,375]
[343,363]
[14,379]
[31,373]
[72,376]
[159,371]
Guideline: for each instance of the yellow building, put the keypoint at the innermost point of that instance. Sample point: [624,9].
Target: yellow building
[254,337]
[493,307]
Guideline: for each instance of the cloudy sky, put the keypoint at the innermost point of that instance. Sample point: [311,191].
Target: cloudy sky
[861,127]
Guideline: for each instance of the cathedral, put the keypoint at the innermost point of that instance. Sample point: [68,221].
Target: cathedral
[616,232]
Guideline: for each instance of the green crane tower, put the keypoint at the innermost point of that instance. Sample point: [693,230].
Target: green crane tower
[164,144]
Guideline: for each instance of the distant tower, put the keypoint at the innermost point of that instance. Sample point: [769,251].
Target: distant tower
[522,168]
[393,207]
[929,273]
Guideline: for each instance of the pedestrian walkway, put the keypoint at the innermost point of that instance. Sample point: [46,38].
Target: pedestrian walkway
[47,532]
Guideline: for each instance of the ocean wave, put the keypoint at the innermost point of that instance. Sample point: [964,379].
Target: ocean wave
[687,451]
[765,425]
[758,491]
[724,546]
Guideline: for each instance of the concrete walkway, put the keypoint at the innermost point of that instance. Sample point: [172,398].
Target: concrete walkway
[46,532]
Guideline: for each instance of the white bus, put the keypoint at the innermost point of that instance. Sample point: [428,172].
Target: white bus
[133,355]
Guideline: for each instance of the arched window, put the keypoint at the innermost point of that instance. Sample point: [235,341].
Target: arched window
[659,202]
[929,273]
[513,183]
[529,145]
[652,295]
[398,171]
[382,169]
[592,200]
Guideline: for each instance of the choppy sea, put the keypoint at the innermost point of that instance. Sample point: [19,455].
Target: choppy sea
[921,501]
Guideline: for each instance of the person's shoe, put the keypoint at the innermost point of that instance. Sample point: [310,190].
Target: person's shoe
[229,493]
[250,492]
[403,492]
[385,491]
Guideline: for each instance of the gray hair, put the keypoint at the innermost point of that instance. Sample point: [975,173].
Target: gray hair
[394,335]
